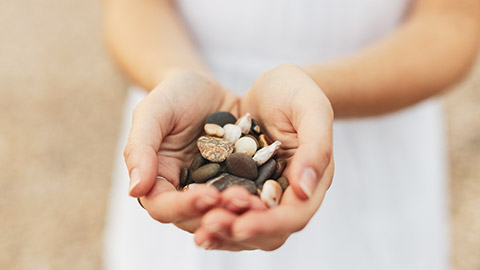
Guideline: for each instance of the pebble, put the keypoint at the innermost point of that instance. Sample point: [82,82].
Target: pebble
[183,177]
[242,165]
[245,123]
[202,174]
[226,180]
[192,186]
[253,138]
[263,140]
[214,149]
[280,167]
[221,118]
[265,171]
[214,130]
[232,133]
[246,145]
[255,128]
[271,193]
[197,162]
[283,181]
[264,154]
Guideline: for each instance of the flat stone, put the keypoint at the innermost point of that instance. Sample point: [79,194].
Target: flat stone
[265,171]
[281,164]
[197,162]
[283,181]
[226,180]
[221,118]
[202,174]
[242,165]
[246,145]
[214,149]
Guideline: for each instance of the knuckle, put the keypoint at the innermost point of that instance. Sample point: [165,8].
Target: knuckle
[128,150]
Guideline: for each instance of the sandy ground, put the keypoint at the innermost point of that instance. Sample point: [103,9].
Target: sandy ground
[60,103]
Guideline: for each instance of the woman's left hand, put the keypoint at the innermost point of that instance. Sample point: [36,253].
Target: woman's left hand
[293,110]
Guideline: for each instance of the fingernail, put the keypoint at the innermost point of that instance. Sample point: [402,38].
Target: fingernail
[134,180]
[205,244]
[205,202]
[308,181]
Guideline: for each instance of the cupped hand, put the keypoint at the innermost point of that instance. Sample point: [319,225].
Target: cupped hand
[162,141]
[293,110]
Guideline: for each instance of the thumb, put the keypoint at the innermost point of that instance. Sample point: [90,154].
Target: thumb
[314,152]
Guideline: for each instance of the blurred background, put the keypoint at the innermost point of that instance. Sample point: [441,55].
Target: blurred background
[60,105]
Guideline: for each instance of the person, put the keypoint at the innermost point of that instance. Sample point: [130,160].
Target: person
[370,65]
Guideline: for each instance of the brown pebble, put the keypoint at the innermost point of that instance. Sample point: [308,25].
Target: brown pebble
[202,174]
[226,180]
[263,141]
[281,163]
[242,165]
[197,162]
[183,177]
[214,149]
[283,181]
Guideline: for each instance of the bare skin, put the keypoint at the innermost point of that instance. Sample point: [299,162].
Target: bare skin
[433,49]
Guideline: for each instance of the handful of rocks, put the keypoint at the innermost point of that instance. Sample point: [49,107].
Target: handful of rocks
[236,153]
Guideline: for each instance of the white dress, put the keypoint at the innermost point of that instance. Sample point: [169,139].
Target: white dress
[387,207]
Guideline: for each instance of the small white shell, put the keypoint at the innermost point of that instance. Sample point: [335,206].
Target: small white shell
[214,130]
[245,123]
[271,193]
[264,154]
[246,145]
[232,133]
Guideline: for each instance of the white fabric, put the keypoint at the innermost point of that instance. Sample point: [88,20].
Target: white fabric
[387,207]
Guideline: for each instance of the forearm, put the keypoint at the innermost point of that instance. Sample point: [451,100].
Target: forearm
[148,40]
[431,50]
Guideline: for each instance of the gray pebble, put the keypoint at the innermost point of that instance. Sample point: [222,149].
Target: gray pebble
[221,118]
[226,180]
[202,174]
[265,171]
[242,165]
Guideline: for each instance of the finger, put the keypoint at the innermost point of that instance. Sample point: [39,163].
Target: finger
[167,205]
[189,225]
[236,199]
[218,221]
[209,241]
[313,122]
[150,121]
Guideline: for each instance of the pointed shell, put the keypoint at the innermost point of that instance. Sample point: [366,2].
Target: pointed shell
[271,193]
[264,154]
[246,145]
[245,123]
[232,133]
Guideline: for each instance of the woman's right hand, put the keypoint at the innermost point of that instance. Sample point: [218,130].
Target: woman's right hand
[162,141]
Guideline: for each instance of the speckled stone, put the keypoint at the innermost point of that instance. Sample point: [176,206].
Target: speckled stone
[281,164]
[202,174]
[214,149]
[265,171]
[197,162]
[226,180]
[283,181]
[242,165]
[221,118]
